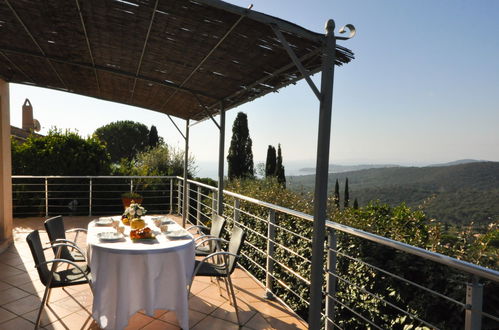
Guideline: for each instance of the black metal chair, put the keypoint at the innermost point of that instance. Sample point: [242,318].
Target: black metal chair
[223,265]
[205,246]
[52,278]
[57,234]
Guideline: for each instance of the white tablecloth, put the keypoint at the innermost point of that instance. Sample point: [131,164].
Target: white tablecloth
[128,276]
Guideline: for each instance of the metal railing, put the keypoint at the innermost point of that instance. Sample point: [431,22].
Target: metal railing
[88,195]
[371,281]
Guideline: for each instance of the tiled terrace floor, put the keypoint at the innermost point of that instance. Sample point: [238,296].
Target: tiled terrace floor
[21,293]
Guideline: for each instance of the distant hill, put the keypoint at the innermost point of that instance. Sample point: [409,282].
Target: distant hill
[333,168]
[458,162]
[455,193]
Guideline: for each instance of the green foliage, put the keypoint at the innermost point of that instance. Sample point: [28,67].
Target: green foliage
[270,162]
[279,170]
[336,198]
[458,194]
[124,139]
[153,137]
[347,195]
[240,157]
[356,277]
[60,153]
[160,160]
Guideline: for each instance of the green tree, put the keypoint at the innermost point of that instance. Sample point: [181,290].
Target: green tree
[153,137]
[124,139]
[337,195]
[240,157]
[281,176]
[346,197]
[60,153]
[162,160]
[270,163]
[355,204]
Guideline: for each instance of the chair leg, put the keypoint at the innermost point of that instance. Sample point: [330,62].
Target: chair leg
[234,299]
[219,287]
[48,296]
[228,291]
[44,300]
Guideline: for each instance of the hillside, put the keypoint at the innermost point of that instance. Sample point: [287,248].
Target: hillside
[457,193]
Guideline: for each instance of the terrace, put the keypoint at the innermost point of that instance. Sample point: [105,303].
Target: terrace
[195,60]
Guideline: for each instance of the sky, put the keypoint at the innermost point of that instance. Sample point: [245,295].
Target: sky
[423,89]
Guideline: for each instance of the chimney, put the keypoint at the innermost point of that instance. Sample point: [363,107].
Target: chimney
[28,123]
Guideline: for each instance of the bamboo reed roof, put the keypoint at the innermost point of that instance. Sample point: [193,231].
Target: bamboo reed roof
[178,57]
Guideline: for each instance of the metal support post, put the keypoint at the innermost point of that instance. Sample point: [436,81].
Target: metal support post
[214,203]
[474,302]
[269,280]
[131,185]
[179,194]
[321,176]
[331,278]
[171,196]
[221,161]
[46,197]
[90,198]
[198,206]
[188,204]
[237,213]
[186,163]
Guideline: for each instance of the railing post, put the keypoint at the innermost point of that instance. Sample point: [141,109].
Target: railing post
[179,196]
[474,302]
[198,206]
[269,280]
[90,198]
[188,202]
[131,185]
[236,210]
[331,277]
[171,196]
[214,203]
[46,198]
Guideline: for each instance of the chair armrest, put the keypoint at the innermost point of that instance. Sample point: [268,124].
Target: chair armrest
[212,238]
[214,254]
[76,230]
[68,262]
[60,245]
[199,228]
[63,240]
[203,237]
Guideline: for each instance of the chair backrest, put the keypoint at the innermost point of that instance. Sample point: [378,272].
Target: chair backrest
[217,225]
[35,245]
[235,244]
[55,229]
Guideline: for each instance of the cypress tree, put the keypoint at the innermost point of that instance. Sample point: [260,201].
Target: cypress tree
[281,176]
[355,204]
[347,195]
[240,157]
[153,137]
[337,194]
[270,163]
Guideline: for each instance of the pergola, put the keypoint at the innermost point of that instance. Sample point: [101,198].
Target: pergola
[192,60]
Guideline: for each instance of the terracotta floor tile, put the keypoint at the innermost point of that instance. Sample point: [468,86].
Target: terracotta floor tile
[5,315]
[23,305]
[49,314]
[17,323]
[258,322]
[138,321]
[245,283]
[160,325]
[8,271]
[271,309]
[73,321]
[251,295]
[213,323]
[194,318]
[227,312]
[20,279]
[212,294]
[203,306]
[198,286]
[287,323]
[11,294]
[4,286]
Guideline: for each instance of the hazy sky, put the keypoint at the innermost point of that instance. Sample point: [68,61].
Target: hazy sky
[424,88]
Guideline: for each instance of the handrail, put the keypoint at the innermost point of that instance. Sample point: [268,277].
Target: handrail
[94,177]
[434,256]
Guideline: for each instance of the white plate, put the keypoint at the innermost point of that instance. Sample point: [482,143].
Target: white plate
[176,234]
[109,236]
[104,221]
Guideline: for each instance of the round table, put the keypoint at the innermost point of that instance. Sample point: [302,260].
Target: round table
[145,275]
